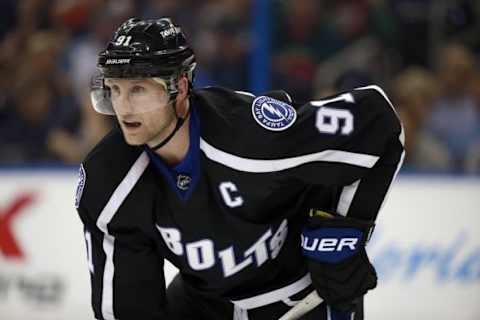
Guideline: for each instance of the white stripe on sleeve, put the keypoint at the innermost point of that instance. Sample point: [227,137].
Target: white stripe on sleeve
[346,198]
[263,165]
[117,198]
[246,93]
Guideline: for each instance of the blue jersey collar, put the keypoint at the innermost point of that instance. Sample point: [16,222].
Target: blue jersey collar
[183,177]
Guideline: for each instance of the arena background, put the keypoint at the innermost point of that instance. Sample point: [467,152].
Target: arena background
[424,53]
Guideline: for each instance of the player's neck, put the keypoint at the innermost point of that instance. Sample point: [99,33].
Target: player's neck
[177,148]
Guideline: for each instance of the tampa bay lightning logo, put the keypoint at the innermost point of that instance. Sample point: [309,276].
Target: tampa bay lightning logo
[273,114]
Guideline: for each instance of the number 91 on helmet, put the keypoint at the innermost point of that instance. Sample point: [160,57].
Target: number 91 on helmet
[150,52]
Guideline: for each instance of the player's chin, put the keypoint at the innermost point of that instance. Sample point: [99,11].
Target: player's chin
[134,139]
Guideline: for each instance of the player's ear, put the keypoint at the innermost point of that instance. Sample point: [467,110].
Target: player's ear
[182,87]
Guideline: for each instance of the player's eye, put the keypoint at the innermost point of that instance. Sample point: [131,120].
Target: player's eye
[115,90]
[137,89]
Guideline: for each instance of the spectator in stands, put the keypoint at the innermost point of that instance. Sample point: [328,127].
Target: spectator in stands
[222,44]
[35,111]
[472,162]
[455,118]
[415,90]
[39,102]
[71,147]
[302,36]
[413,41]
[352,18]
[462,22]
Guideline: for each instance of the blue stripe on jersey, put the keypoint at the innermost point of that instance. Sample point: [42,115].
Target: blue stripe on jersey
[189,166]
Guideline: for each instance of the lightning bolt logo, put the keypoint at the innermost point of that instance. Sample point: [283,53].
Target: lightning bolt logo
[273,114]
[272,110]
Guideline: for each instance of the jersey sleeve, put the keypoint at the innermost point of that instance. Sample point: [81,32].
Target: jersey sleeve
[126,270]
[356,149]
[350,144]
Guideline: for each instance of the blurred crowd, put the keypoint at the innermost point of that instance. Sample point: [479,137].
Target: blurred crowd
[424,53]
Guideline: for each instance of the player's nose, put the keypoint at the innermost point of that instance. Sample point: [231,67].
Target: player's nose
[123,107]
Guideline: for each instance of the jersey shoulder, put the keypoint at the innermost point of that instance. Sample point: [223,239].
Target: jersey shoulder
[373,100]
[231,120]
[364,106]
[360,120]
[103,169]
[262,127]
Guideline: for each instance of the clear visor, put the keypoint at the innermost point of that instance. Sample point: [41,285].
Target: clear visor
[122,96]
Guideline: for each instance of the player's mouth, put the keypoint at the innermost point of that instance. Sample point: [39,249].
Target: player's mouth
[131,124]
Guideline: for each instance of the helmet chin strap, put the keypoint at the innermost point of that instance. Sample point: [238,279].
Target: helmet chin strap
[178,125]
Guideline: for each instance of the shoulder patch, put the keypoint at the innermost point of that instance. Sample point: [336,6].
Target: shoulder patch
[273,114]
[82,177]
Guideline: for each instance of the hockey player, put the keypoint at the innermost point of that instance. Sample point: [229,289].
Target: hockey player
[257,200]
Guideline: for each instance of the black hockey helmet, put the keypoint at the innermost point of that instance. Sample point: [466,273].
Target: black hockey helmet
[154,48]
[146,48]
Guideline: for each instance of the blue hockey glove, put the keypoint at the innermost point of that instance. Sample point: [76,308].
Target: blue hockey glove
[337,260]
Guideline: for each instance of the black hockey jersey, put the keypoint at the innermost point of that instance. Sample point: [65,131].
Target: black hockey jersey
[263,162]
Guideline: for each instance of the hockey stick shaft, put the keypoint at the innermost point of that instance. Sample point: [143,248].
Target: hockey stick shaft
[304,306]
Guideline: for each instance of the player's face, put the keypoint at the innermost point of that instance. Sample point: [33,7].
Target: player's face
[142,108]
